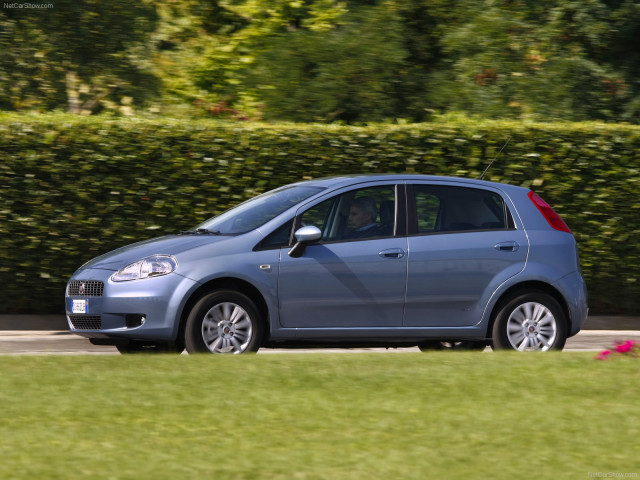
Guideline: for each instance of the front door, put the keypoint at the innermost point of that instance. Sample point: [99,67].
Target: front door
[355,276]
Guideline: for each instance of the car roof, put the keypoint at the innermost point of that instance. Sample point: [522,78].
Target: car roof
[346,180]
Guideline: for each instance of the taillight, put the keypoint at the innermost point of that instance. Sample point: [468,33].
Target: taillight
[547,212]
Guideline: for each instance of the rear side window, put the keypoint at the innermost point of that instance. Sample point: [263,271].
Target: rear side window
[441,209]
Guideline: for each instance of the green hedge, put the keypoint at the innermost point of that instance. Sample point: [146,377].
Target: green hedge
[75,187]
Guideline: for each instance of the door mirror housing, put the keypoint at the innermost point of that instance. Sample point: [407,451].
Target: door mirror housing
[304,236]
[308,234]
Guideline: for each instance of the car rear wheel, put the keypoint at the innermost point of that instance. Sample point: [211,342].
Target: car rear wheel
[530,321]
[223,321]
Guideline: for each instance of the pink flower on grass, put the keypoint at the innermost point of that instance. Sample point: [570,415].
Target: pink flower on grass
[625,347]
[629,348]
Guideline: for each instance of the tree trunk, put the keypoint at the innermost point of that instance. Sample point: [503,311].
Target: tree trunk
[72,92]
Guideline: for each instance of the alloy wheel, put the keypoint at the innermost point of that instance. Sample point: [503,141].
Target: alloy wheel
[227,328]
[532,326]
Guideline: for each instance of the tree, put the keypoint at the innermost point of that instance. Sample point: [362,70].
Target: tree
[351,72]
[326,60]
[227,76]
[80,55]
[623,54]
[506,62]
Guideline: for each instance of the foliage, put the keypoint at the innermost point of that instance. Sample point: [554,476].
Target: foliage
[384,60]
[347,73]
[74,187]
[81,55]
[326,60]
[547,65]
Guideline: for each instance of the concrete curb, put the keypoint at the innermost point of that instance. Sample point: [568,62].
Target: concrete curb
[33,322]
[612,322]
[59,322]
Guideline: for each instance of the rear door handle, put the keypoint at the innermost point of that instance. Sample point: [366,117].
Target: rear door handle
[507,246]
[392,253]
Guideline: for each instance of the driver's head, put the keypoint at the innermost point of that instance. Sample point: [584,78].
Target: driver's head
[363,212]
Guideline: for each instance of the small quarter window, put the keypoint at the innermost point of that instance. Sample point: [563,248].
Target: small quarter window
[279,238]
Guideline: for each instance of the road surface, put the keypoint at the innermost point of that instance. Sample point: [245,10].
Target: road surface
[63,343]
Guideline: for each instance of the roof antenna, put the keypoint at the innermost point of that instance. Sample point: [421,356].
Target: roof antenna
[493,161]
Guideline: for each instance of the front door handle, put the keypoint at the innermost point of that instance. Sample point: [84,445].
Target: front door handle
[392,253]
[507,246]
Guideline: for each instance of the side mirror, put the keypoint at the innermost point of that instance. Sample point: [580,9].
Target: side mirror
[308,234]
[304,236]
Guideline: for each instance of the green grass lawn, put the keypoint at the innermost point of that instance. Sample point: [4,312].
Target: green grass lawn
[320,416]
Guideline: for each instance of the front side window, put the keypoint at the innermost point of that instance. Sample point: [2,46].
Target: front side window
[358,214]
[458,209]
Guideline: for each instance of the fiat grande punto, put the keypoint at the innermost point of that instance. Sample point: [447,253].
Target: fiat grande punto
[388,260]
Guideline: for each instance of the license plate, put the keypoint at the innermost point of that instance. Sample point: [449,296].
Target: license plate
[80,306]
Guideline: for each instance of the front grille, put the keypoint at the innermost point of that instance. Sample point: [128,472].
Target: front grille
[86,322]
[85,288]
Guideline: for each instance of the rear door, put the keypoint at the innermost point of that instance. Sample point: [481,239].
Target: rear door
[463,243]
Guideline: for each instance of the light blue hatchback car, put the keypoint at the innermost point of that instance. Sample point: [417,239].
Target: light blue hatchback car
[385,260]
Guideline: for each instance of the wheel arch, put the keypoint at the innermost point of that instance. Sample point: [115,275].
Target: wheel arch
[227,283]
[528,286]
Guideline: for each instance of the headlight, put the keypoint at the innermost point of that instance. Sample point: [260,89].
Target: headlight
[153,266]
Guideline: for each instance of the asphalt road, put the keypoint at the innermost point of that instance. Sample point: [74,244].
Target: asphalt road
[63,343]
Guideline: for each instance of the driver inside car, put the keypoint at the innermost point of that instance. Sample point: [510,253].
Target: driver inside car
[362,218]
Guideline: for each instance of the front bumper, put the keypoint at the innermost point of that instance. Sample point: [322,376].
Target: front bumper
[146,309]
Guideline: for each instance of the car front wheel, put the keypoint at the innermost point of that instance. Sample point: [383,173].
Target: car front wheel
[223,321]
[530,321]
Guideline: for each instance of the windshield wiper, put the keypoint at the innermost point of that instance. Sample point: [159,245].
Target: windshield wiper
[201,231]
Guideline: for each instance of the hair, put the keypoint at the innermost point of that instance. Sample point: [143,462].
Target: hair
[368,205]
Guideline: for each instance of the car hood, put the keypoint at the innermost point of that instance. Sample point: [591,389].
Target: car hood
[168,245]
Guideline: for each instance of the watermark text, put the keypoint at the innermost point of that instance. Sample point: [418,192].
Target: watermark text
[44,6]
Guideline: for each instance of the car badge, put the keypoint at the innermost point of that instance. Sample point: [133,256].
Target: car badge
[81,289]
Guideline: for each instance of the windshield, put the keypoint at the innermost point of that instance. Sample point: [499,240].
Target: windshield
[259,210]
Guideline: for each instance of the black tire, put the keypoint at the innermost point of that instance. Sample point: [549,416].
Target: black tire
[530,321]
[224,321]
[135,346]
[461,345]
